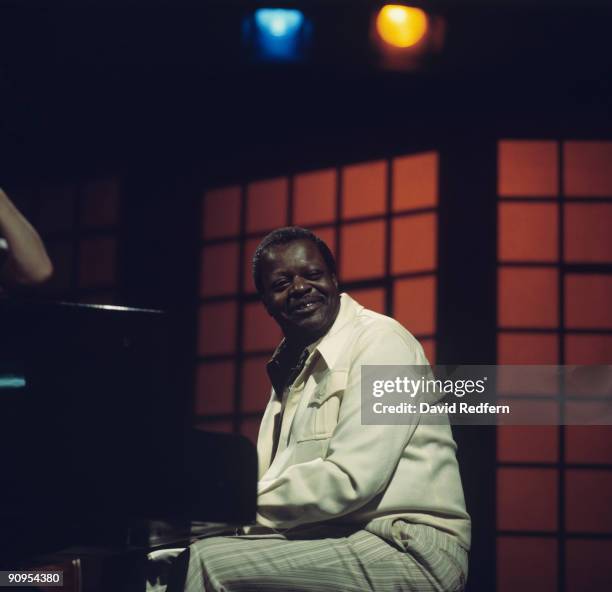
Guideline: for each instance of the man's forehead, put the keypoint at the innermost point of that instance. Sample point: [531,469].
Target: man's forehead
[298,251]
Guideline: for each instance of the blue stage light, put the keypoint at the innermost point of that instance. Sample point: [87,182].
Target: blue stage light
[277,34]
[279,22]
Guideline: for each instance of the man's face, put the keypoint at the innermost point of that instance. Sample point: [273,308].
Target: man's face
[299,291]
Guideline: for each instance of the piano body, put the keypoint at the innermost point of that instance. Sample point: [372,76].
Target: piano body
[95,436]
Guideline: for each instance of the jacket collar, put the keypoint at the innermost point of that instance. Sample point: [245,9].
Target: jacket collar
[330,346]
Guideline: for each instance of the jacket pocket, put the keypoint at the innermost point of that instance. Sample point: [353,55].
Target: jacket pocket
[332,384]
[323,408]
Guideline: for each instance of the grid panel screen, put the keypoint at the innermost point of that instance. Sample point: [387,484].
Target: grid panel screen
[368,213]
[554,294]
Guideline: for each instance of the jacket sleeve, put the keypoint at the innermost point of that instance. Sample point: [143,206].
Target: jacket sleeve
[361,459]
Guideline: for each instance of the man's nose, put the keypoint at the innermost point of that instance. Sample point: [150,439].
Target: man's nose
[299,285]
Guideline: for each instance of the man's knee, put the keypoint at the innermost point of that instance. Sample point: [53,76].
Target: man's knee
[197,567]
[216,559]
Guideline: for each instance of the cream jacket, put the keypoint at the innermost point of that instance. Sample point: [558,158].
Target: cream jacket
[329,466]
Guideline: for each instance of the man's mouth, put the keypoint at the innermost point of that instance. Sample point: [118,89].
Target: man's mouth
[306,307]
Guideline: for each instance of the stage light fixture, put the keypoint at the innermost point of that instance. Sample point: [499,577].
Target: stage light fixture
[276,34]
[279,22]
[401,26]
[406,37]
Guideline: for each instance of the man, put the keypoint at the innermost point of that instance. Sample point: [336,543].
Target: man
[23,259]
[341,505]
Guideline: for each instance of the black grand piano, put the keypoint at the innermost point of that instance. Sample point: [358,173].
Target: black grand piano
[95,437]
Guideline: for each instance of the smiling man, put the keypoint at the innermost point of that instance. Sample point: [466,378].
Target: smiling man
[341,505]
[298,288]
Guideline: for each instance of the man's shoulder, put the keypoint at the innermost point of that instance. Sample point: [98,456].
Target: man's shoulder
[373,321]
[369,324]
[364,332]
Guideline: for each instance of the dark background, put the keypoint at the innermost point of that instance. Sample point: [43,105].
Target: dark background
[162,96]
[87,85]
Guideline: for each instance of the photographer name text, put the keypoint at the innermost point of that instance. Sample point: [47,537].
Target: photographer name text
[440,408]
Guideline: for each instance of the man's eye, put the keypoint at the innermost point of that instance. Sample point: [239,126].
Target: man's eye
[279,286]
[315,275]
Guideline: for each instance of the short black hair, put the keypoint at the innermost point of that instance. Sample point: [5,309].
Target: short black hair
[282,236]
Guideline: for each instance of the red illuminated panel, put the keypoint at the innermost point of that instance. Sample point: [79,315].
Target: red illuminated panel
[97,260]
[328,236]
[588,444]
[429,347]
[415,304]
[267,204]
[528,232]
[587,495]
[588,349]
[543,381]
[415,181]
[587,233]
[314,197]
[214,388]
[527,443]
[100,204]
[260,331]
[527,169]
[373,298]
[221,212]
[527,564]
[255,384]
[587,301]
[217,328]
[587,171]
[414,243]
[364,189]
[527,348]
[527,499]
[57,208]
[528,297]
[219,269]
[223,426]
[530,410]
[247,264]
[362,250]
[592,382]
[588,565]
[249,427]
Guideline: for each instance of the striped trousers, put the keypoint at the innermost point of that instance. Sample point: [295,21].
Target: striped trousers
[392,556]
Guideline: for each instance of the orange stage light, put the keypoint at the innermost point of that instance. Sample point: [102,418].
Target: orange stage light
[401,26]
